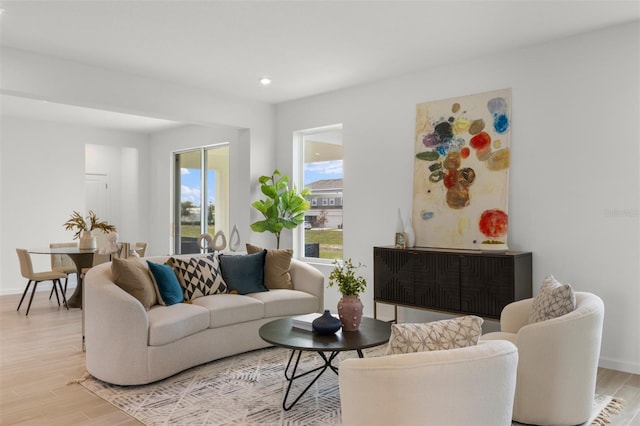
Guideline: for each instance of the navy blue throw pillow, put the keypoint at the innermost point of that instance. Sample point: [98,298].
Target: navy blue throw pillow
[244,273]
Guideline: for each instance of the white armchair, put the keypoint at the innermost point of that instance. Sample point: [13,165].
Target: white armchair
[558,361]
[466,386]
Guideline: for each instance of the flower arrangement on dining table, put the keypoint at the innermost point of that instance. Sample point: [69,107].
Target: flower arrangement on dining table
[81,224]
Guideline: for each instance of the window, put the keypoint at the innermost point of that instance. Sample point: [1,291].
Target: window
[320,169]
[201,178]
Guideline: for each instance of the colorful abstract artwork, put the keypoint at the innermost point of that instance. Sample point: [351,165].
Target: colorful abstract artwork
[461,171]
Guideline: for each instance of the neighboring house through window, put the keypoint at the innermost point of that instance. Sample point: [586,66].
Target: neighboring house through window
[320,169]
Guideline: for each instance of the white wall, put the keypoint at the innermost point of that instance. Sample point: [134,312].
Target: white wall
[43,182]
[167,142]
[41,77]
[574,164]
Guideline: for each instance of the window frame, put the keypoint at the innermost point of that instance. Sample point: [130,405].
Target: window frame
[298,173]
[204,186]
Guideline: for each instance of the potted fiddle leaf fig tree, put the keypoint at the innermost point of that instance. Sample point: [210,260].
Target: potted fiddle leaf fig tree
[283,208]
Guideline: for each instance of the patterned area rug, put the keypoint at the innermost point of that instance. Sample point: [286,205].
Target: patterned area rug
[248,389]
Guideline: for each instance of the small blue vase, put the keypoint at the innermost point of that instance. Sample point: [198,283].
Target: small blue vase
[326,324]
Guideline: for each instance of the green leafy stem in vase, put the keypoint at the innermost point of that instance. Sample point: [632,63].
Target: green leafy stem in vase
[78,223]
[344,276]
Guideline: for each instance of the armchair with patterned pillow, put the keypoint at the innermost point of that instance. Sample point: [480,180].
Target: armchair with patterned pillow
[433,373]
[558,335]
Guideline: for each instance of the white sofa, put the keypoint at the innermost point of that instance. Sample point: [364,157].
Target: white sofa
[473,385]
[127,345]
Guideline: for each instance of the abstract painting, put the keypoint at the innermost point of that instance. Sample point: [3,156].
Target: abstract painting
[461,171]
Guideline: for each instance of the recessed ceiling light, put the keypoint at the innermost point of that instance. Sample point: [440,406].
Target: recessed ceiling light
[265,81]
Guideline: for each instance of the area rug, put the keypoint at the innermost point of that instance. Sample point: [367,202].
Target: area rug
[247,389]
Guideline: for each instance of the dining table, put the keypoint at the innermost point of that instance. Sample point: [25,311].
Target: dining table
[82,258]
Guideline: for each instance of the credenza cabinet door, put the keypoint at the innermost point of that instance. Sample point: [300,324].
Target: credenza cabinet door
[436,280]
[393,276]
[486,284]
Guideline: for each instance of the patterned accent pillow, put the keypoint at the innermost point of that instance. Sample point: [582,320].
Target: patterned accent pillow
[199,276]
[433,336]
[554,300]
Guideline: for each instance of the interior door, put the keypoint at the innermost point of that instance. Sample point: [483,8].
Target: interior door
[97,195]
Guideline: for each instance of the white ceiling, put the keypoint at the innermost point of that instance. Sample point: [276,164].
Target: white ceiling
[307,47]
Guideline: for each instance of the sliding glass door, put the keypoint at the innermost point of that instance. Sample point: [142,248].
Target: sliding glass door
[201,195]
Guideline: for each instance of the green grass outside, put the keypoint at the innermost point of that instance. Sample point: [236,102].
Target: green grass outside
[330,241]
[193,231]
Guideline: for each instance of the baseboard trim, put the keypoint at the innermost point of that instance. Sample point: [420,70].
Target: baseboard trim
[615,364]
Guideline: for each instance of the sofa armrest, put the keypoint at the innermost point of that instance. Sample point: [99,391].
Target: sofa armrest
[308,279]
[515,315]
[116,330]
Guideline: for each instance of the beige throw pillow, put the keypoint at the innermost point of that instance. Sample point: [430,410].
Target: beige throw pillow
[433,336]
[277,264]
[554,300]
[133,276]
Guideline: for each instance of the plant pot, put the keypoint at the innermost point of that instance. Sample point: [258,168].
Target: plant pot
[326,324]
[87,241]
[350,311]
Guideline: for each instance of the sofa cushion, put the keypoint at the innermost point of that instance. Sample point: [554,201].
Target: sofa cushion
[226,309]
[244,274]
[133,276]
[283,302]
[437,335]
[170,323]
[166,282]
[276,267]
[199,276]
[554,299]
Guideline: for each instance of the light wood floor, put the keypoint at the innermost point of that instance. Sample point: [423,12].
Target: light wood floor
[42,352]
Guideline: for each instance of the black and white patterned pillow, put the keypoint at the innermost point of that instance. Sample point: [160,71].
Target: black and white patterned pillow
[434,336]
[199,276]
[554,300]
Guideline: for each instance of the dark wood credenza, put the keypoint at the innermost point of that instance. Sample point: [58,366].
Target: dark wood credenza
[452,281]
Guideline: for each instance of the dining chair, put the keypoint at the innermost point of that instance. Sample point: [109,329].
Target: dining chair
[141,248]
[101,242]
[26,269]
[63,263]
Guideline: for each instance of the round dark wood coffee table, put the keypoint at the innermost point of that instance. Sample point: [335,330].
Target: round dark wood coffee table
[281,333]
